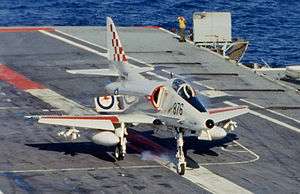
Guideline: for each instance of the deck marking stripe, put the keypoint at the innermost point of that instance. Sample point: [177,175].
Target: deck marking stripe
[78,169]
[197,176]
[80,46]
[26,29]
[16,79]
[99,46]
[272,111]
[235,162]
[158,76]
[10,107]
[60,102]
[73,43]
[268,118]
[208,180]
[203,85]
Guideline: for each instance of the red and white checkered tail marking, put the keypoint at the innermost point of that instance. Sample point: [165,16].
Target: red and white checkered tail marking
[115,49]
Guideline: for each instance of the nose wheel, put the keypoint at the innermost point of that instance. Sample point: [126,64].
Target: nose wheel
[120,149]
[181,163]
[119,153]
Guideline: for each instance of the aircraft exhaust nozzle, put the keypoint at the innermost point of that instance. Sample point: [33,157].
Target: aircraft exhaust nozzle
[209,123]
[106,138]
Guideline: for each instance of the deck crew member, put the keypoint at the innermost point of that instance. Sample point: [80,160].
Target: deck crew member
[182,26]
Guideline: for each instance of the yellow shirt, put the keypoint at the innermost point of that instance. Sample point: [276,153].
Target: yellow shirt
[181,22]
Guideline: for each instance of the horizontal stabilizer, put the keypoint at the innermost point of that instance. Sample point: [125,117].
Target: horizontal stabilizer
[221,114]
[101,72]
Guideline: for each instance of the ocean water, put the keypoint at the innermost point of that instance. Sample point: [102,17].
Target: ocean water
[271,26]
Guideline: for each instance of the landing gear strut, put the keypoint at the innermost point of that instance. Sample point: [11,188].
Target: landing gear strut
[181,164]
[120,150]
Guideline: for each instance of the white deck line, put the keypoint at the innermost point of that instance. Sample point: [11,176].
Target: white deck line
[272,111]
[206,179]
[85,47]
[69,35]
[58,101]
[9,107]
[268,118]
[202,176]
[158,76]
[79,169]
[256,157]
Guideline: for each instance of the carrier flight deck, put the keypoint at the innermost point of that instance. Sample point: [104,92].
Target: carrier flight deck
[261,156]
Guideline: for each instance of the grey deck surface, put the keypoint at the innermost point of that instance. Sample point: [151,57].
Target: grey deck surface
[44,59]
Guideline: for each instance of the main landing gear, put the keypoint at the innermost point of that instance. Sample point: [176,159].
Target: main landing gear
[71,133]
[120,149]
[181,163]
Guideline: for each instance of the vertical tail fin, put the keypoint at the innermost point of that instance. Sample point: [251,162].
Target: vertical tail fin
[116,52]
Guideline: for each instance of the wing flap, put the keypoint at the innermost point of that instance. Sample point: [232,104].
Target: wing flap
[221,114]
[91,122]
[100,72]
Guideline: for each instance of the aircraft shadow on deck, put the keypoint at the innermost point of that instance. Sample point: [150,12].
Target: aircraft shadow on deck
[200,147]
[74,148]
[104,153]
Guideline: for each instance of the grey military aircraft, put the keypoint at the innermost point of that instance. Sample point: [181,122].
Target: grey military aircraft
[133,100]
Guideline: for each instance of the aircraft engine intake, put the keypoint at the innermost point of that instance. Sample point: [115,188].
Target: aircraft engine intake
[157,122]
[209,123]
[106,138]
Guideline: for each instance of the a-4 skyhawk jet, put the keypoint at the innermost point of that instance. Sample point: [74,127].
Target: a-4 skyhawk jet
[133,100]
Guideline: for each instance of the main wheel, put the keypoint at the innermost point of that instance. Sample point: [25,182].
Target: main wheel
[181,169]
[119,155]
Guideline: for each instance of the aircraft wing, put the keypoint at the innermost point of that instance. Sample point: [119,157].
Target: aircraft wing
[221,114]
[101,72]
[102,122]
[92,122]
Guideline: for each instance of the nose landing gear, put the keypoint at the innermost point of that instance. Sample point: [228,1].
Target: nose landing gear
[181,163]
[120,150]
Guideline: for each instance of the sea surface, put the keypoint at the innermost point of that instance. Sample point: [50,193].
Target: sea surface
[271,26]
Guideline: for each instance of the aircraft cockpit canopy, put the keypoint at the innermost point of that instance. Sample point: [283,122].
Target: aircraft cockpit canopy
[188,93]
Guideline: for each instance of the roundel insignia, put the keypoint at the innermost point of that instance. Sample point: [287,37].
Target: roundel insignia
[106,102]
